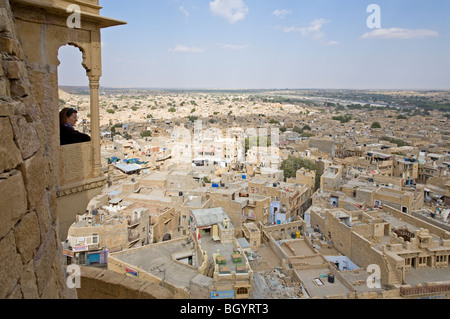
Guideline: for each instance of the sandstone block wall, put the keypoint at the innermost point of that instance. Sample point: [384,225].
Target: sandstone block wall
[99,283]
[30,251]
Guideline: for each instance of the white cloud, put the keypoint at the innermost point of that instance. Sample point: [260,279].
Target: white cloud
[332,43]
[183,48]
[184,10]
[314,30]
[234,46]
[281,13]
[231,10]
[398,33]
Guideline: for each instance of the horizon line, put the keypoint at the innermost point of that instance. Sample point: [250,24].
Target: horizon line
[256,89]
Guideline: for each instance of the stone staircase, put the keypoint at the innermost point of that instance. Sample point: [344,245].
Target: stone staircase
[394,279]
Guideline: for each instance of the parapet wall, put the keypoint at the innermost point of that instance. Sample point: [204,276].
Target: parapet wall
[98,283]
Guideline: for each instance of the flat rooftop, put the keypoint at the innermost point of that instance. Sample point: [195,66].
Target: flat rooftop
[153,259]
[320,287]
[397,223]
[156,176]
[423,275]
[358,279]
[298,247]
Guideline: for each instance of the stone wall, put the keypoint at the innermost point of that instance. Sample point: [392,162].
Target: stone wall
[30,251]
[97,283]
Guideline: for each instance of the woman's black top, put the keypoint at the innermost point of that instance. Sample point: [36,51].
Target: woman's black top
[71,136]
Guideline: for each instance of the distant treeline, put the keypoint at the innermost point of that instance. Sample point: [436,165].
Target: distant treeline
[284,100]
[421,102]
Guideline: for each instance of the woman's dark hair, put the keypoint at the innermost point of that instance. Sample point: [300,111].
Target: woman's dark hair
[66,113]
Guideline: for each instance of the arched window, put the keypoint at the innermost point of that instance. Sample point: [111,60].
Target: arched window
[71,71]
[72,79]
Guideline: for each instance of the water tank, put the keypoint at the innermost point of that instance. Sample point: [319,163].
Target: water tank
[331,279]
[180,194]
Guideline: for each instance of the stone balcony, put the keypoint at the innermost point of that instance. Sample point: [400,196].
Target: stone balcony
[77,169]
[78,183]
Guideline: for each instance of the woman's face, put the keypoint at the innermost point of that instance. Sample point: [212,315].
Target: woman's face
[72,120]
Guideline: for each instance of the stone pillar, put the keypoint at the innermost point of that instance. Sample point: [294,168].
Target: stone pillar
[95,123]
[94,84]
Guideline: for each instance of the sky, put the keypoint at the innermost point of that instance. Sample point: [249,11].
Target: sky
[271,44]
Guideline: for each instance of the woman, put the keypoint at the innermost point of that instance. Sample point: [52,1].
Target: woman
[68,117]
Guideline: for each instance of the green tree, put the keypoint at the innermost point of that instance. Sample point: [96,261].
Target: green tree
[298,130]
[272,121]
[113,129]
[127,136]
[292,164]
[306,134]
[192,118]
[399,142]
[376,125]
[343,119]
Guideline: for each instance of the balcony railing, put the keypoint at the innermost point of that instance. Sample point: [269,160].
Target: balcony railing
[424,290]
[76,170]
[77,163]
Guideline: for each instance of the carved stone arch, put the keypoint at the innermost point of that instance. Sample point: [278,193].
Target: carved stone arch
[59,36]
[86,59]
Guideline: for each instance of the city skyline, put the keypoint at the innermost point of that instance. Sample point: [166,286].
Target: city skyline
[248,44]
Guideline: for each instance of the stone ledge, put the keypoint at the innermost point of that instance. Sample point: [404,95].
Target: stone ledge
[81,186]
[99,283]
